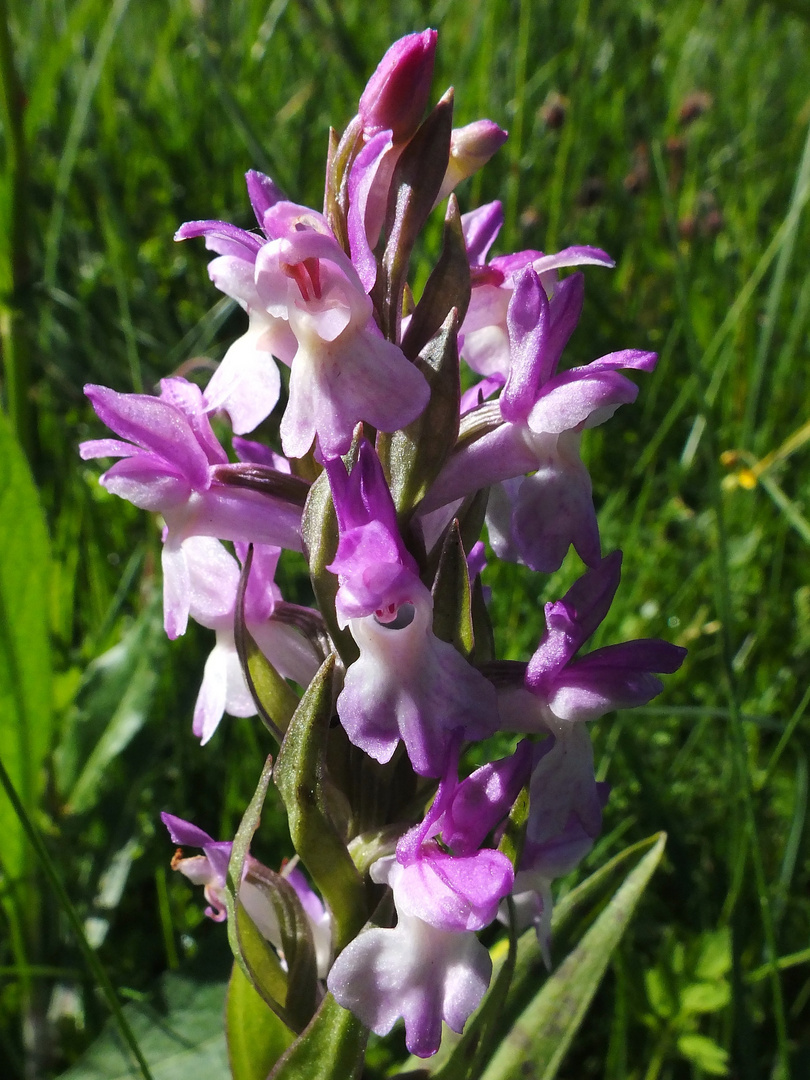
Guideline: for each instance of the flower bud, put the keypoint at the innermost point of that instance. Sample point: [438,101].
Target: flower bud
[471,147]
[397,93]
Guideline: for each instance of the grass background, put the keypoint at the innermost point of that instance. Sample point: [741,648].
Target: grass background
[676,136]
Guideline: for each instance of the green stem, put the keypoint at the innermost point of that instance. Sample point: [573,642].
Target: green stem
[659,1054]
[90,957]
[16,274]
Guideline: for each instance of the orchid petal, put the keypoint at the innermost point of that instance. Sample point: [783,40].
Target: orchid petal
[480,228]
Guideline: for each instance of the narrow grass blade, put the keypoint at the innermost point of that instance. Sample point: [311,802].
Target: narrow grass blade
[536,1045]
[91,959]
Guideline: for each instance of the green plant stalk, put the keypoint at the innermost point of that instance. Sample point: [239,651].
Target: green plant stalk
[16,275]
[801,193]
[90,957]
[724,611]
[165,914]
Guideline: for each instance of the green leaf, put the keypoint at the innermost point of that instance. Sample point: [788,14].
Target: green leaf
[180,1033]
[571,917]
[705,1053]
[417,179]
[452,613]
[544,1030]
[714,959]
[661,994]
[332,1047]
[483,635]
[251,950]
[113,704]
[26,729]
[297,943]
[302,779]
[413,457]
[447,287]
[705,997]
[258,961]
[256,1036]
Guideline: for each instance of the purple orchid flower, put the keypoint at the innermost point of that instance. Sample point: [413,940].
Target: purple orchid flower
[459,889]
[246,384]
[211,871]
[481,802]
[563,782]
[343,371]
[396,95]
[415,971]
[559,694]
[308,306]
[407,683]
[543,413]
[172,464]
[430,967]
[484,338]
[214,578]
[560,691]
[390,111]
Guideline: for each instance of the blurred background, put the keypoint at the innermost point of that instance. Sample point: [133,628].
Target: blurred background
[674,135]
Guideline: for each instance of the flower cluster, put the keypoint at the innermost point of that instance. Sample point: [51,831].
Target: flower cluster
[388,474]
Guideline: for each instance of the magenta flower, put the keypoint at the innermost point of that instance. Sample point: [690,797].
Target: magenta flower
[542,415]
[343,371]
[172,464]
[396,95]
[246,384]
[407,683]
[214,579]
[308,305]
[417,972]
[211,871]
[561,691]
[484,340]
[557,854]
[430,967]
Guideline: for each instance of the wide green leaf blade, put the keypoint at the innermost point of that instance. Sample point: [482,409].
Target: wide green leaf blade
[181,1035]
[256,1036]
[25,663]
[542,1034]
[571,918]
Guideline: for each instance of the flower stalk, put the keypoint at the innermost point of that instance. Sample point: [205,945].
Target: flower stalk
[380,701]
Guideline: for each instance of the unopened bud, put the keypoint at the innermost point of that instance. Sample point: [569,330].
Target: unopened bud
[397,93]
[471,147]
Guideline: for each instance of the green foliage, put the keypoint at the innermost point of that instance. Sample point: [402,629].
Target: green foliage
[26,730]
[303,784]
[543,1032]
[180,1032]
[113,703]
[331,1048]
[256,1036]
